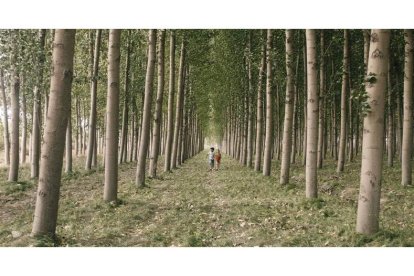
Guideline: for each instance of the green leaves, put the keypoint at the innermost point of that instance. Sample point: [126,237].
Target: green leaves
[361,97]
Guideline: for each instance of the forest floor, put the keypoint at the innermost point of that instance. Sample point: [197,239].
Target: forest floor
[191,206]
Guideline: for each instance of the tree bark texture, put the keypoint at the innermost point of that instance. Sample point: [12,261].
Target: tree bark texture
[373,135]
[259,113]
[158,108]
[112,117]
[179,107]
[312,116]
[146,119]
[344,97]
[287,128]
[37,102]
[170,118]
[5,120]
[269,110]
[47,199]
[94,88]
[407,139]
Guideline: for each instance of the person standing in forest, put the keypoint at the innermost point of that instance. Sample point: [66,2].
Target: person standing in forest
[217,157]
[211,158]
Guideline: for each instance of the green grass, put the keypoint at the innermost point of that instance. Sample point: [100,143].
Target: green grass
[194,207]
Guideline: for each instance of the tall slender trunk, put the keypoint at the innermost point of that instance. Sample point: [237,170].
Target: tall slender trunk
[112,116]
[259,113]
[37,102]
[85,126]
[305,104]
[170,130]
[158,108]
[250,110]
[68,146]
[5,120]
[182,119]
[137,131]
[124,131]
[295,136]
[269,112]
[366,35]
[344,97]
[178,107]
[133,123]
[45,109]
[287,128]
[47,200]
[23,151]
[390,126]
[146,119]
[350,116]
[95,152]
[94,86]
[312,117]
[399,119]
[407,139]
[321,100]
[81,121]
[372,147]
[77,122]
[15,113]
[245,129]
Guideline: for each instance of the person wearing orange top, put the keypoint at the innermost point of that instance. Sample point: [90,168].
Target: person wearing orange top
[217,156]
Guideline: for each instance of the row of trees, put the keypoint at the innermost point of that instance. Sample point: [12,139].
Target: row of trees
[320,72]
[76,59]
[265,94]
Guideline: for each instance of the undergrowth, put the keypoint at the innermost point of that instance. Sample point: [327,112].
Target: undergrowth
[191,206]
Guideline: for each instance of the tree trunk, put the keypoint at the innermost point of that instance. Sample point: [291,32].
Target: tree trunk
[344,96]
[245,129]
[182,121]
[131,152]
[46,106]
[399,119]
[112,116]
[81,122]
[312,116]
[23,151]
[287,128]
[146,119]
[15,113]
[350,116]
[37,102]
[47,200]
[259,114]
[158,108]
[170,130]
[5,120]
[269,112]
[295,136]
[92,115]
[68,146]
[372,141]
[124,131]
[178,108]
[250,110]
[390,138]
[321,100]
[407,139]
[305,104]
[77,125]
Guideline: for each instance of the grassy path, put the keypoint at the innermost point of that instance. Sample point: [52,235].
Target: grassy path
[234,206]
